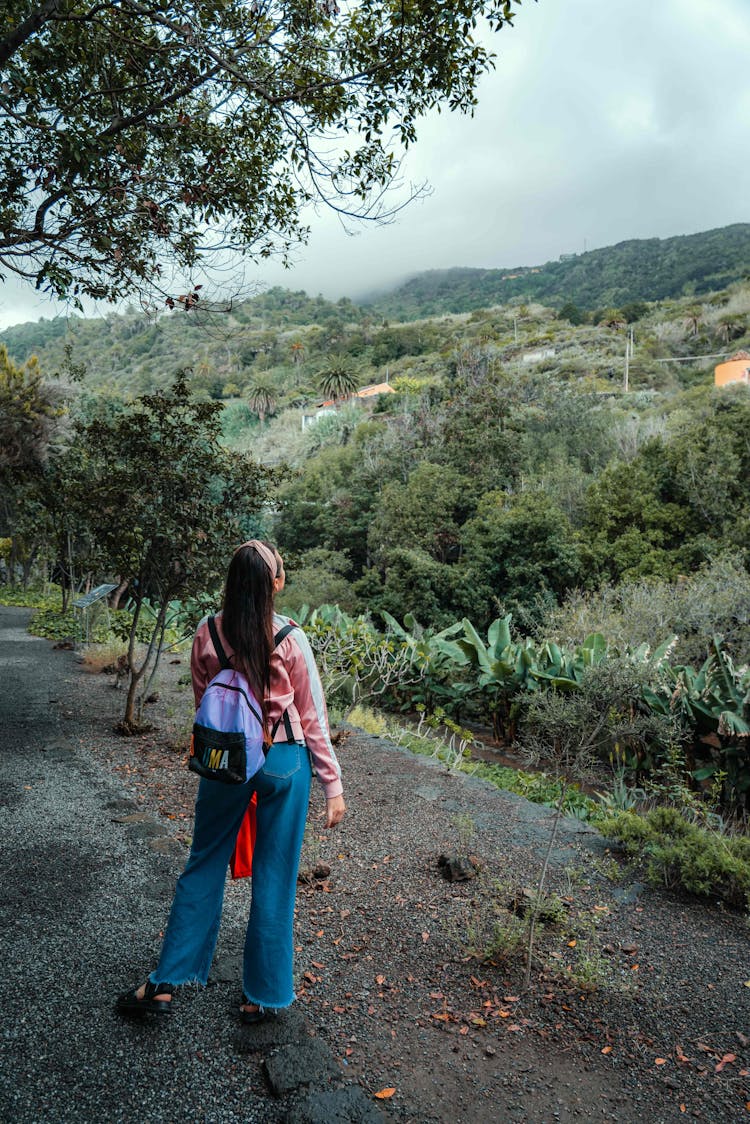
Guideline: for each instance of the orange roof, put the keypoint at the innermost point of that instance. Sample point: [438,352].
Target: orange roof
[365,392]
[740,355]
[376,388]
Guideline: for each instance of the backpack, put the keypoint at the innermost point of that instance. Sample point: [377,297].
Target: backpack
[228,742]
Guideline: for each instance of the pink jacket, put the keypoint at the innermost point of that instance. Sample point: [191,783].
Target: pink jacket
[295,687]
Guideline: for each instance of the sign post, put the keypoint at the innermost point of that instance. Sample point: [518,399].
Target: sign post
[85,603]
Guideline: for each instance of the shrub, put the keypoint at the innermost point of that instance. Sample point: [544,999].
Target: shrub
[716,600]
[606,718]
[682,855]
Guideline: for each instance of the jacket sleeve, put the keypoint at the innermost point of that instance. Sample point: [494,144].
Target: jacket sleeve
[200,673]
[310,705]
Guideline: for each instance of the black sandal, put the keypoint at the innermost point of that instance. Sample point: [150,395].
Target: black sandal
[254,1016]
[129,1004]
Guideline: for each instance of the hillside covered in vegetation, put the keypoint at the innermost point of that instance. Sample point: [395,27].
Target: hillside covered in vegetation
[570,485]
[640,269]
[519,457]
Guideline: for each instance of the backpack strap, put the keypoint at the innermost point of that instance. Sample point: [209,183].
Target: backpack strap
[218,646]
[281,635]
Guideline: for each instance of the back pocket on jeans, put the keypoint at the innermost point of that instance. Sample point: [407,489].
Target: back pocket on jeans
[284,759]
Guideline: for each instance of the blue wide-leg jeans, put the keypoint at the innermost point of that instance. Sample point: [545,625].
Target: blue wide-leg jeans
[283,788]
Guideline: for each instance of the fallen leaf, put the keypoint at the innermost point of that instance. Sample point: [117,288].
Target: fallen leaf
[510,999]
[572,944]
[380,980]
[464,1030]
[425,937]
[315,964]
[444,1016]
[683,1108]
[726,1060]
[660,1061]
[384,1094]
[607,1050]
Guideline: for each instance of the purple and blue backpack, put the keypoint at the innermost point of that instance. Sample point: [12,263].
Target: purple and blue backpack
[228,742]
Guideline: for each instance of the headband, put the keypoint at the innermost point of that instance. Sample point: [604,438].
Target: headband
[266,554]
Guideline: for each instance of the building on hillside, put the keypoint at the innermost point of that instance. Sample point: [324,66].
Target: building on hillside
[539,356]
[332,406]
[736,369]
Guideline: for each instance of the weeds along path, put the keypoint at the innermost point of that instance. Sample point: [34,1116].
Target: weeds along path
[407,982]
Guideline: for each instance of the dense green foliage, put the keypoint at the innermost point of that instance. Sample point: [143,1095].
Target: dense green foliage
[645,269]
[678,854]
[507,502]
[574,705]
[131,136]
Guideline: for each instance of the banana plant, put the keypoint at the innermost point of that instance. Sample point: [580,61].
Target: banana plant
[433,654]
[503,670]
[713,703]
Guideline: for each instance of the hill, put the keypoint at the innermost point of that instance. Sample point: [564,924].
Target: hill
[644,269]
[283,340]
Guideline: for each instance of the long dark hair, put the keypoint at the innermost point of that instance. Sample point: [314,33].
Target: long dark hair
[247,618]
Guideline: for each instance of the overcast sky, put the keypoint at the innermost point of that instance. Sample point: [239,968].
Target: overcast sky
[604,120]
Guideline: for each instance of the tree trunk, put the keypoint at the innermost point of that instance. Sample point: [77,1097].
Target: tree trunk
[134,705]
[116,597]
[128,720]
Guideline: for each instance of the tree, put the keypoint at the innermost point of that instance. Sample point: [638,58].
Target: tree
[165,504]
[571,312]
[262,398]
[31,416]
[337,381]
[133,132]
[521,554]
[694,320]
[29,412]
[425,513]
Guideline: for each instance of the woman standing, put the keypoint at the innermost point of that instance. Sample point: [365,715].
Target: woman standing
[285,678]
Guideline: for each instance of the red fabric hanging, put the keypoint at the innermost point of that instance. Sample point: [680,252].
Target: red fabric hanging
[241,862]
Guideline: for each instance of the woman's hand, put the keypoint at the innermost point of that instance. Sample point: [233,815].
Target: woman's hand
[335,808]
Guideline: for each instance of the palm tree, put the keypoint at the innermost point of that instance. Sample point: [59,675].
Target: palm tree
[729,327]
[337,381]
[694,319]
[262,398]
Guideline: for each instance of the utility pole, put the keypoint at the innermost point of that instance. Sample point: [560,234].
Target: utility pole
[629,351]
[515,329]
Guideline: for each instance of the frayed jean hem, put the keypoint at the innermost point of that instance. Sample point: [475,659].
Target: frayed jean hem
[189,981]
[267,1008]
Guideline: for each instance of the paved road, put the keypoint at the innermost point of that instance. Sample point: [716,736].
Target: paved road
[83,898]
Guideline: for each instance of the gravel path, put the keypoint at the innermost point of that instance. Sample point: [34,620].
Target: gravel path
[94,835]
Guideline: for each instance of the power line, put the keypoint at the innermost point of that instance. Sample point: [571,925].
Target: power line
[692,358]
